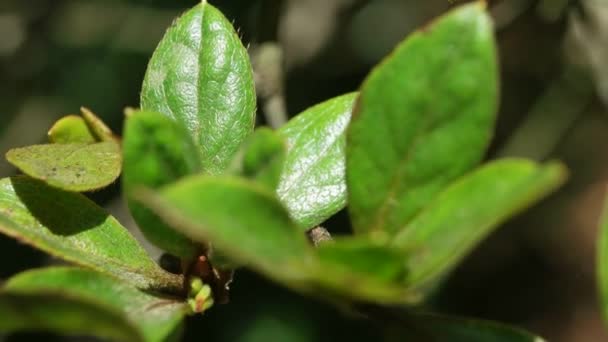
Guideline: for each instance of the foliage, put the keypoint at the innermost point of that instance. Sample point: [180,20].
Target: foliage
[404,152]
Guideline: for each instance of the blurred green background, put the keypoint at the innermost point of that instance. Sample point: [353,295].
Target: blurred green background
[536,272]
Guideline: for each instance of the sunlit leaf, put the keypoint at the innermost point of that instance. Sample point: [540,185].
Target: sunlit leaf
[72,167]
[313,185]
[424,118]
[201,77]
[71,227]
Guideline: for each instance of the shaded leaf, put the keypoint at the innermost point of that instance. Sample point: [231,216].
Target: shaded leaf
[424,118]
[70,226]
[157,152]
[468,210]
[440,328]
[70,129]
[154,316]
[313,185]
[201,77]
[64,315]
[262,157]
[72,167]
[602,261]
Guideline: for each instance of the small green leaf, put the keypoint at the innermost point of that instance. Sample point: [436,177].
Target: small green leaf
[64,315]
[365,257]
[440,328]
[99,129]
[424,118]
[154,316]
[157,152]
[313,185]
[201,77]
[242,218]
[247,223]
[72,167]
[69,130]
[70,226]
[262,157]
[602,261]
[467,211]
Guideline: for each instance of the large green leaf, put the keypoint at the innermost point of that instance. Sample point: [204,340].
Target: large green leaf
[313,185]
[424,118]
[154,316]
[467,211]
[71,129]
[439,328]
[70,226]
[246,223]
[200,76]
[602,261]
[62,314]
[73,167]
[157,152]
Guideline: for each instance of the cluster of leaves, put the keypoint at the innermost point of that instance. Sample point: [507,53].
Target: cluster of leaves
[204,186]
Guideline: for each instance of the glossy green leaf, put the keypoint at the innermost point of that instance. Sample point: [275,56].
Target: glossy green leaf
[200,76]
[365,257]
[440,328]
[602,261]
[152,315]
[99,129]
[468,210]
[70,226]
[247,224]
[71,129]
[262,158]
[313,185]
[157,152]
[72,167]
[424,118]
[63,315]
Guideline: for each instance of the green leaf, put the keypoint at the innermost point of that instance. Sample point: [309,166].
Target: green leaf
[424,118]
[313,185]
[200,76]
[467,211]
[70,226]
[72,167]
[365,257]
[64,315]
[602,261]
[71,129]
[440,328]
[246,222]
[153,316]
[157,152]
[99,129]
[262,158]
[242,218]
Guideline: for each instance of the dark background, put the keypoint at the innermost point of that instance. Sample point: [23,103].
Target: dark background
[536,272]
